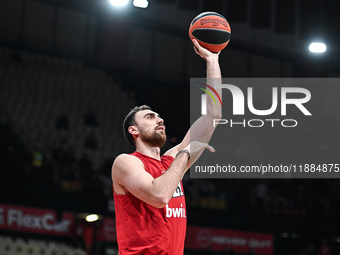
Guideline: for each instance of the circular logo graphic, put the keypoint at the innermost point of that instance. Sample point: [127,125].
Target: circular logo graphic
[203,238]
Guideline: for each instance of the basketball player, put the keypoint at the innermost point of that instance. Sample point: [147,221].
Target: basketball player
[148,193]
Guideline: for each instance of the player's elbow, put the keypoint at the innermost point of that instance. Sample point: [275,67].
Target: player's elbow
[159,205]
[161,201]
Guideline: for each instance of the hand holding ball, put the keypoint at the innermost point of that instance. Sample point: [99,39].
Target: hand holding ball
[211,30]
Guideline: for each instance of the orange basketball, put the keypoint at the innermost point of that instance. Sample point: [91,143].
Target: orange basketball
[211,30]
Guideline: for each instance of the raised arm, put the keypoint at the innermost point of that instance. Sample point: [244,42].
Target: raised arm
[203,128]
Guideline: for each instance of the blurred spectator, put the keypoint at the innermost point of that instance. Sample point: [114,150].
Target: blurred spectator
[89,232]
[78,232]
[84,234]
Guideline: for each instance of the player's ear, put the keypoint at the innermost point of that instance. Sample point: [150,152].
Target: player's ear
[133,130]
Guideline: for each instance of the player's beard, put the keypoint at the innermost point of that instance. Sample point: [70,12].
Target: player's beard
[153,138]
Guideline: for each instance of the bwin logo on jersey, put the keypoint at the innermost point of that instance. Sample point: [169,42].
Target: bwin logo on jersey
[178,192]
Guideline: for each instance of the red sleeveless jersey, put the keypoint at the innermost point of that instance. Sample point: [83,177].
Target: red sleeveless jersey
[144,229]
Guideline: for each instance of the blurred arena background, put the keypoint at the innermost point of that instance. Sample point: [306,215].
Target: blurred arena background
[71,69]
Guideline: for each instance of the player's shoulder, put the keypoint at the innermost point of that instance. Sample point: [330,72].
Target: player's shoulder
[125,165]
[123,156]
[125,160]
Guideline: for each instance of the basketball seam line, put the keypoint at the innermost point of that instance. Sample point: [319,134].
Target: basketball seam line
[204,28]
[210,43]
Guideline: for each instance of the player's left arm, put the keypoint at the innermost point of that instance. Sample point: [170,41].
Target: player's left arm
[203,127]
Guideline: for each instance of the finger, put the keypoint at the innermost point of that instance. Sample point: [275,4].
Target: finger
[194,41]
[199,48]
[197,45]
[210,148]
[196,50]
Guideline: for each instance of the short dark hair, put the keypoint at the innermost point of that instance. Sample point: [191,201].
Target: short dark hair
[130,121]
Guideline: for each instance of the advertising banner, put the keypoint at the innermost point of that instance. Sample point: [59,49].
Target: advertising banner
[34,220]
[221,240]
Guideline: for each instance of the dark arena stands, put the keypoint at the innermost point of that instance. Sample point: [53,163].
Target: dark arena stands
[70,70]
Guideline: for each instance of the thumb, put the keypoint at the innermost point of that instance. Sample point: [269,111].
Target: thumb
[210,148]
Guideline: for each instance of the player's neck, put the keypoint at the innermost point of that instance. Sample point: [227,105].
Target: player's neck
[153,152]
